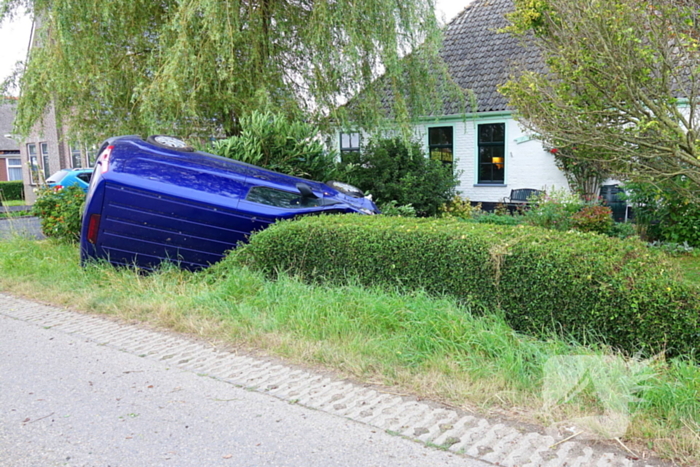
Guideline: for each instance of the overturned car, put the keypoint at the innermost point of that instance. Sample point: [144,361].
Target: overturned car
[160,200]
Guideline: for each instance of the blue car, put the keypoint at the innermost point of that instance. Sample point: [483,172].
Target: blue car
[159,200]
[68,177]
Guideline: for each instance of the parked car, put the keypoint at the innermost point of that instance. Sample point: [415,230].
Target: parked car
[68,177]
[160,200]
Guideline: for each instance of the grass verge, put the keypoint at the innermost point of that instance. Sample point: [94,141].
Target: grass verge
[425,345]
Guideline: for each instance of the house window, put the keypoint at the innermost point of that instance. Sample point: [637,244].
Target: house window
[14,169]
[349,143]
[492,149]
[33,164]
[440,144]
[76,157]
[45,159]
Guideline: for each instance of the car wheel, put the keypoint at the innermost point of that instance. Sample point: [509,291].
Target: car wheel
[169,142]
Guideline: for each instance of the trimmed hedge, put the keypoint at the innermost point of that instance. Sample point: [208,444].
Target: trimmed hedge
[583,285]
[12,191]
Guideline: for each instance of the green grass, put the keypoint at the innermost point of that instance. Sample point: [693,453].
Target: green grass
[15,202]
[690,265]
[425,345]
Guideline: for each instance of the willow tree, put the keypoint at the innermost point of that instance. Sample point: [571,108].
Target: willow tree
[622,83]
[197,66]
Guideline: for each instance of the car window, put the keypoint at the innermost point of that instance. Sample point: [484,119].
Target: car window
[85,176]
[57,176]
[280,198]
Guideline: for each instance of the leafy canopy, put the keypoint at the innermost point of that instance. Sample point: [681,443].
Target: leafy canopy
[197,66]
[622,85]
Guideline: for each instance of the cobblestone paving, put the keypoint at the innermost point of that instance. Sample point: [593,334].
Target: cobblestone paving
[500,443]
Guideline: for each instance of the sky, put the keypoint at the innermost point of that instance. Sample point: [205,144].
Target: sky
[14,35]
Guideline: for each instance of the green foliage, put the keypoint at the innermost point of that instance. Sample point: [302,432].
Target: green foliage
[584,171]
[622,80]
[60,212]
[461,208]
[581,285]
[594,218]
[196,67]
[623,230]
[553,210]
[393,209]
[272,141]
[498,218]
[666,213]
[396,170]
[11,191]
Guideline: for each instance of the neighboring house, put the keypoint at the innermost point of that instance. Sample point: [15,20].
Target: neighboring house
[10,161]
[492,152]
[46,151]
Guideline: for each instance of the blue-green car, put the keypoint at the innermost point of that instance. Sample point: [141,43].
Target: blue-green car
[68,177]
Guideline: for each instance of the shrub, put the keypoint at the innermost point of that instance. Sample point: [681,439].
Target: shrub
[391,209]
[11,191]
[498,218]
[622,230]
[393,170]
[276,143]
[461,208]
[595,218]
[553,210]
[665,213]
[582,285]
[60,212]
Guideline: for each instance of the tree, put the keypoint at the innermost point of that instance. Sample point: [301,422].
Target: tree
[198,66]
[271,141]
[398,171]
[622,83]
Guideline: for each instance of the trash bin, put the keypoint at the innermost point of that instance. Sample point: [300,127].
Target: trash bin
[612,196]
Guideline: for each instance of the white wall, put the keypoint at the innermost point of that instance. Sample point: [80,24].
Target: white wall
[528,165]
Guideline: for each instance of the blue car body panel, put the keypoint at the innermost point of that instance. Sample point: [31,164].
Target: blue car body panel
[154,204]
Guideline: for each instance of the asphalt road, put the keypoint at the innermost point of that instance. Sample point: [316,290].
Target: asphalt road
[26,226]
[68,401]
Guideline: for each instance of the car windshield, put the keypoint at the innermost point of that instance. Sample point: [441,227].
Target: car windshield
[57,176]
[283,199]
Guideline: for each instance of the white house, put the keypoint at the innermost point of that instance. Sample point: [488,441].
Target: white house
[493,154]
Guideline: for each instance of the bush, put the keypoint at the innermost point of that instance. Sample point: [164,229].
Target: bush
[498,219]
[12,191]
[595,218]
[578,284]
[393,170]
[553,210]
[665,213]
[461,208]
[60,212]
[391,209]
[276,143]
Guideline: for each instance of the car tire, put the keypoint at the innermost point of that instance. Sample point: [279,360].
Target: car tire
[169,142]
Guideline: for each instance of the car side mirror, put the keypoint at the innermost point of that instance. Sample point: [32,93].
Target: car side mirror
[305,190]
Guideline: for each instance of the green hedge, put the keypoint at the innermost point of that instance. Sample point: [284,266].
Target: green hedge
[11,191]
[583,285]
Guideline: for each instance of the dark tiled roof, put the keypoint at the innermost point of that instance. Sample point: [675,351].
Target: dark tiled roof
[8,108]
[480,58]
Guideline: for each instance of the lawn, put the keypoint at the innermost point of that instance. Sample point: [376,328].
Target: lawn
[690,265]
[428,346]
